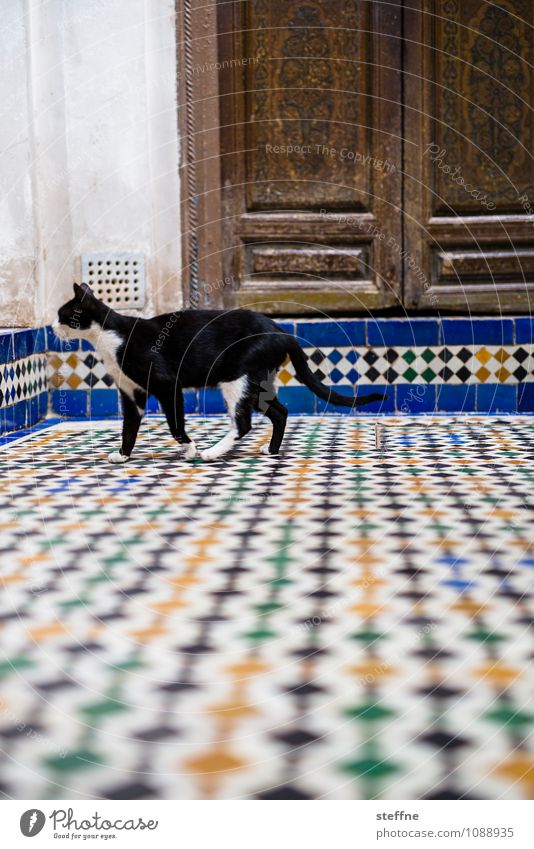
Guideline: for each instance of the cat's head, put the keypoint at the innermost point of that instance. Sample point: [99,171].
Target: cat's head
[75,318]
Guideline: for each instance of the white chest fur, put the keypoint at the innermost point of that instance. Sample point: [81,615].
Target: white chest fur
[107,343]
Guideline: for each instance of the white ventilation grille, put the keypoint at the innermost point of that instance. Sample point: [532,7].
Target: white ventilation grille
[117,279]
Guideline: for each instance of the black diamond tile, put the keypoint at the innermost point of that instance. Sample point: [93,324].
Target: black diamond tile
[90,379]
[440,691]
[464,374]
[370,357]
[521,355]
[153,735]
[90,361]
[317,357]
[520,373]
[464,354]
[135,790]
[296,738]
[305,688]
[12,732]
[448,794]
[446,373]
[287,792]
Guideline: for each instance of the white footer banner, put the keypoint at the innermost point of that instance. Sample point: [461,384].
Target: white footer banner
[268,825]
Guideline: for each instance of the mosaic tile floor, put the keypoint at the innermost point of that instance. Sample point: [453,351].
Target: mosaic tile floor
[334,623]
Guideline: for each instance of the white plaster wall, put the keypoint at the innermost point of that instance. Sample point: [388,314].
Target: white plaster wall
[17,237]
[97,147]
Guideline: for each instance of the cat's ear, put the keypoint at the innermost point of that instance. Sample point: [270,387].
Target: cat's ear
[82,290]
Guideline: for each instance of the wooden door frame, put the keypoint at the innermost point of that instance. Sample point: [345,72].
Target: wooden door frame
[198,125]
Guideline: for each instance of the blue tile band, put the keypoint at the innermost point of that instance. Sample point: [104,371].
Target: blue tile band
[423,365]
[23,378]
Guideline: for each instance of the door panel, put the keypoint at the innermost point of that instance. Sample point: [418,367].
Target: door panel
[311,154]
[308,90]
[469,170]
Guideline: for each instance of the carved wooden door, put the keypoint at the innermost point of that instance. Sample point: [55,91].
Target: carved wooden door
[310,118]
[469,165]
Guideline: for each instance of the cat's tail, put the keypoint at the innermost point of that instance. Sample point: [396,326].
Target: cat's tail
[306,376]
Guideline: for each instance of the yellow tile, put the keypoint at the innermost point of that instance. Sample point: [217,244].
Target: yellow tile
[285,376]
[483,374]
[216,761]
[74,381]
[227,711]
[498,673]
[501,355]
[372,669]
[248,668]
[519,768]
[483,355]
[502,374]
[368,611]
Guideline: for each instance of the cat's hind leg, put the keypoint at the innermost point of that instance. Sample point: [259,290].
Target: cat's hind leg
[268,404]
[277,414]
[237,399]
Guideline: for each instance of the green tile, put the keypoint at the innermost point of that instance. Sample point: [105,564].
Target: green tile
[428,375]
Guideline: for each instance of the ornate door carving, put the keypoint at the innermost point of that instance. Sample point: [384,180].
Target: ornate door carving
[325,175]
[310,154]
[469,181]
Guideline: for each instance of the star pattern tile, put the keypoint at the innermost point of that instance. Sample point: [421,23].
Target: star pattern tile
[339,622]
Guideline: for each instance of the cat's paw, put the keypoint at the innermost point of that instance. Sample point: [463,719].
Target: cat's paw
[117,457]
[264,449]
[210,453]
[190,451]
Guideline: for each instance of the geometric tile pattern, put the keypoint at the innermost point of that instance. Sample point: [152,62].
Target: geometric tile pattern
[347,366]
[439,364]
[77,370]
[22,379]
[339,622]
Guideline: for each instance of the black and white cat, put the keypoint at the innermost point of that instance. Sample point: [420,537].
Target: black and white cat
[239,351]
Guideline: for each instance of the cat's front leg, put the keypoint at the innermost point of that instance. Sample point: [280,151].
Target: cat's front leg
[172,402]
[133,413]
[190,450]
